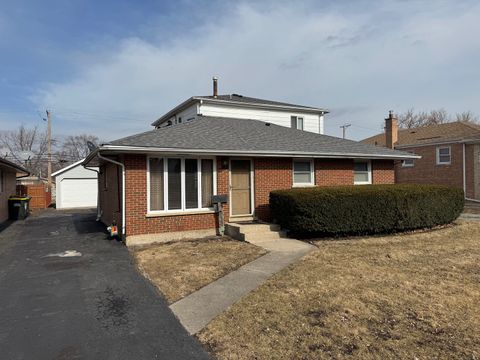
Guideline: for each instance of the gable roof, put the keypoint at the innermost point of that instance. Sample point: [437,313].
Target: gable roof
[227,136]
[66,168]
[240,100]
[13,166]
[448,132]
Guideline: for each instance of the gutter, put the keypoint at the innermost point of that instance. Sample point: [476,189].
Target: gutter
[446,142]
[123,186]
[99,215]
[137,149]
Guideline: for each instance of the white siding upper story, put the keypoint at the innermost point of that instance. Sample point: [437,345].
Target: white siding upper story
[312,122]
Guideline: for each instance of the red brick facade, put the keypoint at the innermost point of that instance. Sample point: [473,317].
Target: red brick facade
[426,170]
[333,172]
[269,174]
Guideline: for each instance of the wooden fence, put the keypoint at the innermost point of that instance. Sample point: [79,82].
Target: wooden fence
[41,195]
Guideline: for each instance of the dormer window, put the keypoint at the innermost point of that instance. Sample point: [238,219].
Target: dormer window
[296,122]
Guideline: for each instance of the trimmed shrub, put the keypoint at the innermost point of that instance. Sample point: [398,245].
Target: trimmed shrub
[362,210]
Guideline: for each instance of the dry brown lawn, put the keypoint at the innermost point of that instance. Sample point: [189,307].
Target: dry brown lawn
[178,269]
[411,296]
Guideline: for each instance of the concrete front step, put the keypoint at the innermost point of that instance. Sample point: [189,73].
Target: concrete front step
[252,232]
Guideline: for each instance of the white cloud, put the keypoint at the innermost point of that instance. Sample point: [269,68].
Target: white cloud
[362,61]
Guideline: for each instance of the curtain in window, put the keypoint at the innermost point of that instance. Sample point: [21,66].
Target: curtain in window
[191,183]
[302,172]
[207,182]
[156,184]
[361,172]
[174,184]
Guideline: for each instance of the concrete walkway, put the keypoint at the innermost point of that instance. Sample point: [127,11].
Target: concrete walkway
[199,308]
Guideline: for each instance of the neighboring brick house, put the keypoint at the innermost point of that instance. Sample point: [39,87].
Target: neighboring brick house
[450,154]
[159,184]
[8,176]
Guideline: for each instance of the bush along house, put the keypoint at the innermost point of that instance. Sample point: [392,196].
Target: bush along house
[158,185]
[450,154]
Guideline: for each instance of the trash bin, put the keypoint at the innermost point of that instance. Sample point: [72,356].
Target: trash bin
[18,207]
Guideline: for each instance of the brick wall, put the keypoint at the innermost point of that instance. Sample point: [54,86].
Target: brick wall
[269,174]
[383,172]
[332,172]
[426,170]
[110,192]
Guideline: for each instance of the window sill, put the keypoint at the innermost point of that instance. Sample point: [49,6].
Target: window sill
[444,164]
[179,213]
[302,185]
[362,183]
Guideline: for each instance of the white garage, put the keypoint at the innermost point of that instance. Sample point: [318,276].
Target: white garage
[76,187]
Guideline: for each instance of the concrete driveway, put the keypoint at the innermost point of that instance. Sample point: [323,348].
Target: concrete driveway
[66,292]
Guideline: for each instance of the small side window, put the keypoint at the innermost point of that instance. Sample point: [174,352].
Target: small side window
[408,163]
[362,173]
[303,173]
[296,122]
[444,156]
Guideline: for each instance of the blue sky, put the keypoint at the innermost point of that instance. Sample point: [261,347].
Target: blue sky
[111,67]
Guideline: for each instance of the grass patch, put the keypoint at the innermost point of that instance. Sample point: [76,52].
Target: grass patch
[394,297]
[179,268]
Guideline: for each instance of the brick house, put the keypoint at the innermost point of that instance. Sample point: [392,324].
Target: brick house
[8,176]
[450,154]
[158,185]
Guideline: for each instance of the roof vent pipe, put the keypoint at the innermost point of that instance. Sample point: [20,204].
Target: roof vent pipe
[215,86]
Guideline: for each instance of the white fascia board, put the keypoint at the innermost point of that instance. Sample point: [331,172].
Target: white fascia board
[132,149]
[68,167]
[176,109]
[265,106]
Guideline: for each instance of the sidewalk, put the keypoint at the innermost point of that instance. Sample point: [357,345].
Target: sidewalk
[197,309]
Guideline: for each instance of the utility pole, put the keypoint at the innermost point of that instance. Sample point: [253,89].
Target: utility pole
[49,140]
[344,128]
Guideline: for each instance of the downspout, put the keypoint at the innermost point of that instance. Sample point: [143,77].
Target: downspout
[123,188]
[99,215]
[465,177]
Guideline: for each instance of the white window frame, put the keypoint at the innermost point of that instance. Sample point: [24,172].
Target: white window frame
[183,209]
[449,155]
[312,173]
[406,164]
[296,122]
[369,172]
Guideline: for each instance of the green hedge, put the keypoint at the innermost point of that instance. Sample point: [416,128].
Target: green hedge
[361,210]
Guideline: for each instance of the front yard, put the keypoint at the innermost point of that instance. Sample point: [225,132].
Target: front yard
[178,269]
[404,297]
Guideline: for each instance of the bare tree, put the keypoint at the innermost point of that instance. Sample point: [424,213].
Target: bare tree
[466,116]
[75,148]
[411,119]
[27,140]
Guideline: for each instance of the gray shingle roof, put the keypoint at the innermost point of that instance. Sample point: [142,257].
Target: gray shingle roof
[250,136]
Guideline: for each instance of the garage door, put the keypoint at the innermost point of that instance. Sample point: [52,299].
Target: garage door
[78,193]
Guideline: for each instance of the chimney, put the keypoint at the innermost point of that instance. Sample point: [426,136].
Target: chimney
[215,86]
[391,130]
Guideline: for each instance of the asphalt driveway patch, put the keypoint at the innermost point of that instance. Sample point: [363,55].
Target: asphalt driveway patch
[89,306]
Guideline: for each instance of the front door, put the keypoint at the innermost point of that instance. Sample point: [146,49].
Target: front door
[240,187]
